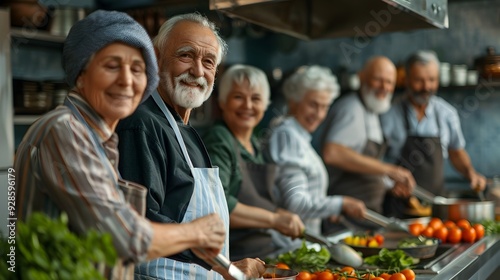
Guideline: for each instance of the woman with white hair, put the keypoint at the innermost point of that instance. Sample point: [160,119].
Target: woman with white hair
[246,178]
[303,180]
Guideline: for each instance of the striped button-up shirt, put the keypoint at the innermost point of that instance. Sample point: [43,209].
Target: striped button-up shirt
[59,169]
[303,180]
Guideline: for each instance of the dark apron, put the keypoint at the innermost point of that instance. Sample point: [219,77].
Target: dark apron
[423,156]
[256,189]
[368,188]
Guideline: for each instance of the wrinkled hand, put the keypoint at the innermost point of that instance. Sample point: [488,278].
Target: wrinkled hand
[477,181]
[288,223]
[401,190]
[403,176]
[353,207]
[253,268]
[211,236]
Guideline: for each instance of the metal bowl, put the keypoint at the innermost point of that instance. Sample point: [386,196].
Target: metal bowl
[279,274]
[391,241]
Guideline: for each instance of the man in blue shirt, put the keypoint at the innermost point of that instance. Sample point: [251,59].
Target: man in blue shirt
[423,129]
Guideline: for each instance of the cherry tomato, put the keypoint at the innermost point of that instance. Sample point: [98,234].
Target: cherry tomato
[385,276]
[409,274]
[435,223]
[416,228]
[454,235]
[368,276]
[304,275]
[325,275]
[428,232]
[463,223]
[282,265]
[479,231]
[449,224]
[441,233]
[469,235]
[378,278]
[397,276]
[379,238]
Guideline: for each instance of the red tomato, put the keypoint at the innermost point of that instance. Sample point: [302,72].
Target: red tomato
[416,228]
[409,274]
[385,276]
[304,275]
[282,265]
[454,235]
[469,235]
[325,275]
[397,276]
[441,233]
[463,223]
[479,231]
[435,223]
[428,232]
[449,224]
[379,238]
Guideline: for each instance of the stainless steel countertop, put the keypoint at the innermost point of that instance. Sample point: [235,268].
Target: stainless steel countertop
[467,261]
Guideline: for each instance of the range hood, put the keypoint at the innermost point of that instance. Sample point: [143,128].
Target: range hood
[317,19]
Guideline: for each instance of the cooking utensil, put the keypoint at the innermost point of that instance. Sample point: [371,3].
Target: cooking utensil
[232,270]
[341,253]
[455,209]
[388,223]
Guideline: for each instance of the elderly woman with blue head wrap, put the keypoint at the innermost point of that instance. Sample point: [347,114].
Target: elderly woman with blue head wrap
[68,158]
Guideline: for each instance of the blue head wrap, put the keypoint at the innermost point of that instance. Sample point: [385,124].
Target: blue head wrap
[98,30]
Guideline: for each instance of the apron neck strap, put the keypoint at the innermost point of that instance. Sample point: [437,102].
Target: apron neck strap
[93,137]
[406,112]
[173,124]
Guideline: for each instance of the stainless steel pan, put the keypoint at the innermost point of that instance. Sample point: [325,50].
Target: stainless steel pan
[455,209]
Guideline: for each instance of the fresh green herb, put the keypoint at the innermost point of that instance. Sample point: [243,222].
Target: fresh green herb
[305,259]
[46,249]
[390,259]
[416,242]
[491,227]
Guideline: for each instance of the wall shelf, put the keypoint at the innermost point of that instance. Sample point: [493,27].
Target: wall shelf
[35,37]
[25,119]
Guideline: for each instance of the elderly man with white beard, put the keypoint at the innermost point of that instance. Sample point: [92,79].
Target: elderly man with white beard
[160,150]
[353,143]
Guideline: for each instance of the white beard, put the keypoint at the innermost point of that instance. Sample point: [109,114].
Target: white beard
[186,96]
[377,106]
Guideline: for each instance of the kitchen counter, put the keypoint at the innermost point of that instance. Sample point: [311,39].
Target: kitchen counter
[460,261]
[469,261]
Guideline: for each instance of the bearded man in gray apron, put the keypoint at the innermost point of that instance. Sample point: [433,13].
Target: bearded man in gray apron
[353,143]
[422,130]
[162,151]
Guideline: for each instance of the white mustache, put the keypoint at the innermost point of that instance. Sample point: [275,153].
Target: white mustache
[189,79]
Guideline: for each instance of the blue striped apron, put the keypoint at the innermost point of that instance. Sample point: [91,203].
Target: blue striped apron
[208,197]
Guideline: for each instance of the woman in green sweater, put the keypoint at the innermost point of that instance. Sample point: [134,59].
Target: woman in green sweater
[246,178]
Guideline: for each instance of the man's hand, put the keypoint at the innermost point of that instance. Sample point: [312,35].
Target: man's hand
[253,268]
[288,223]
[402,176]
[211,235]
[477,181]
[353,207]
[401,190]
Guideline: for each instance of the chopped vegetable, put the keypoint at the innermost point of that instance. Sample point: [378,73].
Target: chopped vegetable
[390,259]
[305,258]
[415,242]
[491,227]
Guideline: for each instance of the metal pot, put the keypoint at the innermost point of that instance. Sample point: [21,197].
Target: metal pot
[455,209]
[469,209]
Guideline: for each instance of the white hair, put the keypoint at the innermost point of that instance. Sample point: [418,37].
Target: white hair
[238,73]
[422,57]
[308,78]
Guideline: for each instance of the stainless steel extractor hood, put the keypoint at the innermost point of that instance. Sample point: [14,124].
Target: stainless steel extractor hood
[314,19]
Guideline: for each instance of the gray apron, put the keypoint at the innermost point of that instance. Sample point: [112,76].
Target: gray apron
[208,197]
[130,192]
[423,156]
[256,189]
